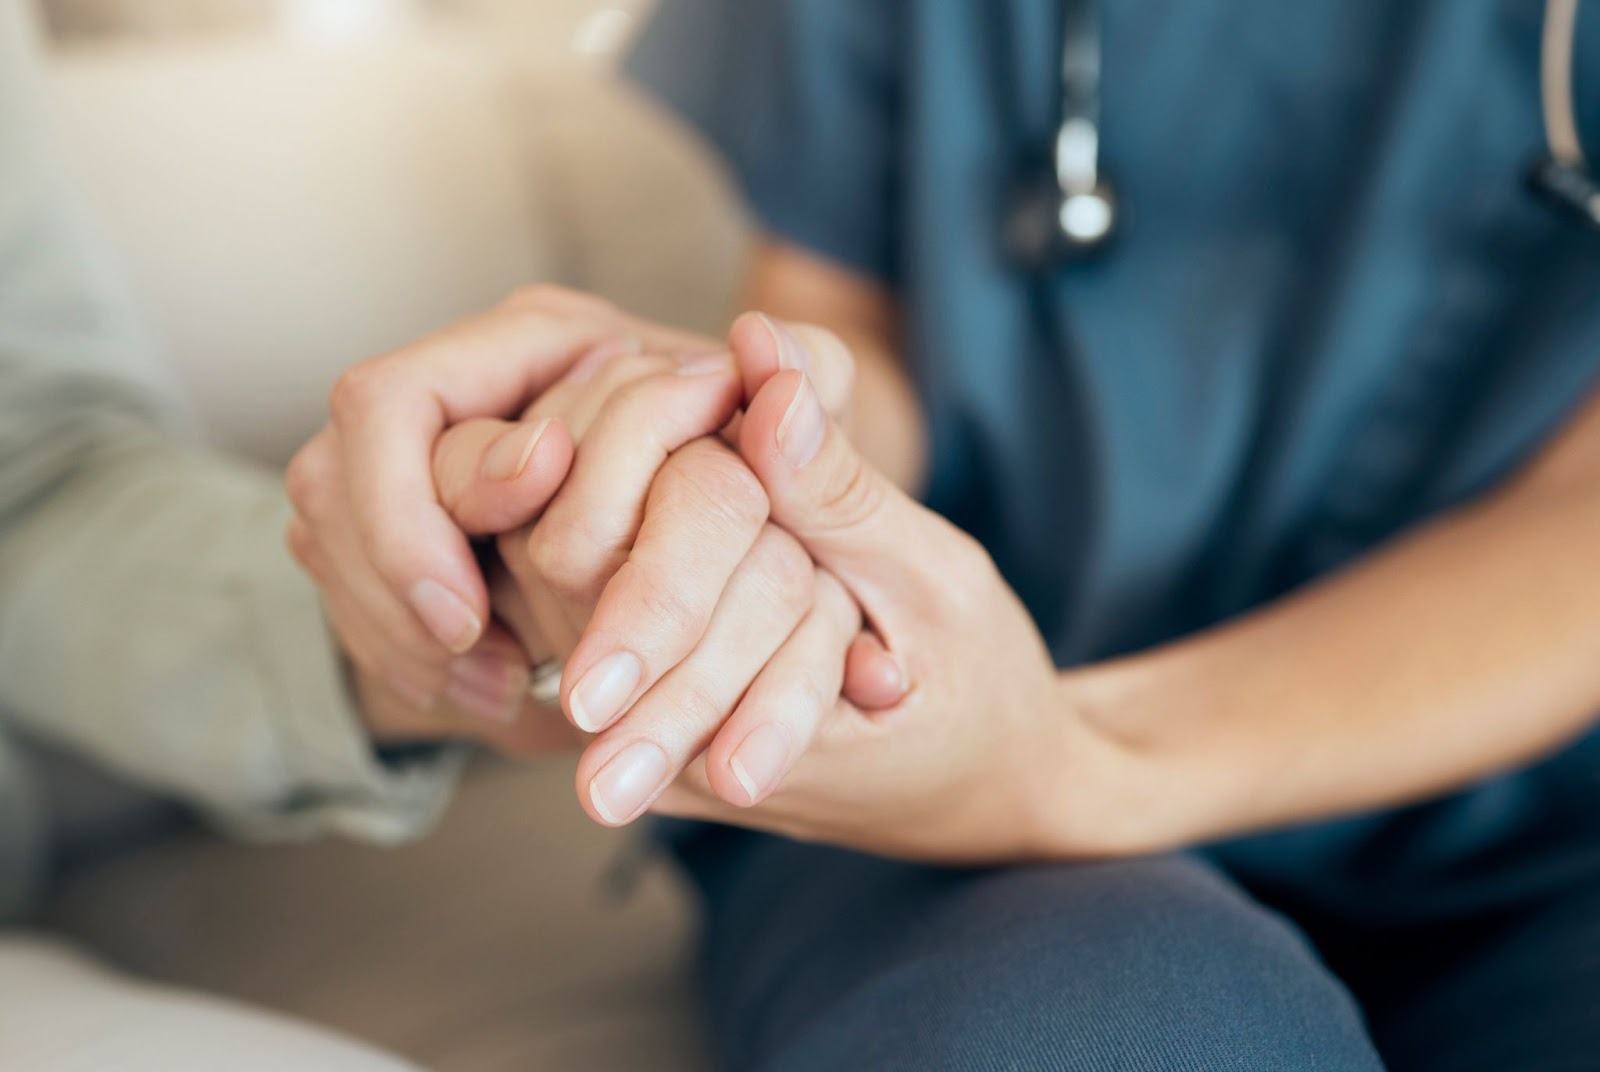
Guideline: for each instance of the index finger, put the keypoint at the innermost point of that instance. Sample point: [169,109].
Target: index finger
[388,412]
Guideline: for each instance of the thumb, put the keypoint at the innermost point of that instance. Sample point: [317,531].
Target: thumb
[874,679]
[764,346]
[887,549]
[494,476]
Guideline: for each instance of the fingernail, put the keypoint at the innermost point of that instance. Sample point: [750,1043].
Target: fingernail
[705,364]
[598,697]
[446,615]
[791,355]
[491,704]
[902,680]
[760,760]
[894,675]
[509,457]
[801,430]
[629,782]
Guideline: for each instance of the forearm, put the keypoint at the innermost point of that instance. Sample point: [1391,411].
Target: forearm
[1467,647]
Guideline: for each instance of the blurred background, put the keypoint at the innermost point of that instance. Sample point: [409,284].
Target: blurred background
[558,20]
[297,184]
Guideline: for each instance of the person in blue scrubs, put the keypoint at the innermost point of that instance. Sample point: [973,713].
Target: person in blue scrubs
[1312,443]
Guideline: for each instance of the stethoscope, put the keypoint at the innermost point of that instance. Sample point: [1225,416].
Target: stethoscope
[1073,212]
[1563,176]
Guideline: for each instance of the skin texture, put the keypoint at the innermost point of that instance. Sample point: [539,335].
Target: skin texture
[403,589]
[619,516]
[1465,648]
[714,606]
[928,778]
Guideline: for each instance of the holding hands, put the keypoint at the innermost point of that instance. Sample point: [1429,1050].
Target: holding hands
[704,574]
[631,542]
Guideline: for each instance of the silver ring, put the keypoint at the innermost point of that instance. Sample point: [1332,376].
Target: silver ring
[544,683]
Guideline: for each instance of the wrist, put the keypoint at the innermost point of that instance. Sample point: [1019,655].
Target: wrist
[1119,781]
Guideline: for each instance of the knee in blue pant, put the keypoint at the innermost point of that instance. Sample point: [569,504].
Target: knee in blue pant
[1154,964]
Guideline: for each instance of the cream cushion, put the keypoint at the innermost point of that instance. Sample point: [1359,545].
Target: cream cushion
[286,210]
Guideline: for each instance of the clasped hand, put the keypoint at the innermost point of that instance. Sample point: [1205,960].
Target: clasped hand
[689,527]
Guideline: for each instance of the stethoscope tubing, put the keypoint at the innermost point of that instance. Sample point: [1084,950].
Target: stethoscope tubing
[1562,176]
[1557,53]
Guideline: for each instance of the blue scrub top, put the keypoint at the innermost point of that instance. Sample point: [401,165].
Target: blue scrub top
[1332,309]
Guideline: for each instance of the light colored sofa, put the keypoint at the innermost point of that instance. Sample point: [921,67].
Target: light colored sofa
[286,210]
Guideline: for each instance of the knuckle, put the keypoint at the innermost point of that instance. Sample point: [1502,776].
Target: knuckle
[786,570]
[812,698]
[633,384]
[553,297]
[798,703]
[395,561]
[663,603]
[563,558]
[971,558]
[306,475]
[717,480]
[970,572]
[698,709]
[358,389]
[851,495]
[297,484]
[637,389]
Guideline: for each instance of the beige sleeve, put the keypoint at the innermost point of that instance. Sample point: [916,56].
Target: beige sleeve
[150,618]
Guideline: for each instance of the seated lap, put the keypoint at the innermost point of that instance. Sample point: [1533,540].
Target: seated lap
[818,958]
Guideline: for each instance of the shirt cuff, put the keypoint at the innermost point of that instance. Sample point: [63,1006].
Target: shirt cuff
[335,781]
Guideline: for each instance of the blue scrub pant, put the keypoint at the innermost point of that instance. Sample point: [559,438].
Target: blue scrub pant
[1458,936]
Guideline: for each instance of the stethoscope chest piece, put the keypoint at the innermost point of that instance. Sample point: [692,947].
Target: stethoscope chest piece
[1048,226]
[1067,210]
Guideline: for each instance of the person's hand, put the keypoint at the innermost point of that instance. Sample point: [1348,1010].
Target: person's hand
[492,477]
[700,621]
[404,592]
[973,765]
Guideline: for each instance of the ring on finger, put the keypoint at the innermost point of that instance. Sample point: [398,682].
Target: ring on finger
[544,682]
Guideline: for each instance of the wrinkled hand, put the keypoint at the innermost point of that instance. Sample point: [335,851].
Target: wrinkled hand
[657,545]
[969,767]
[405,595]
[701,624]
